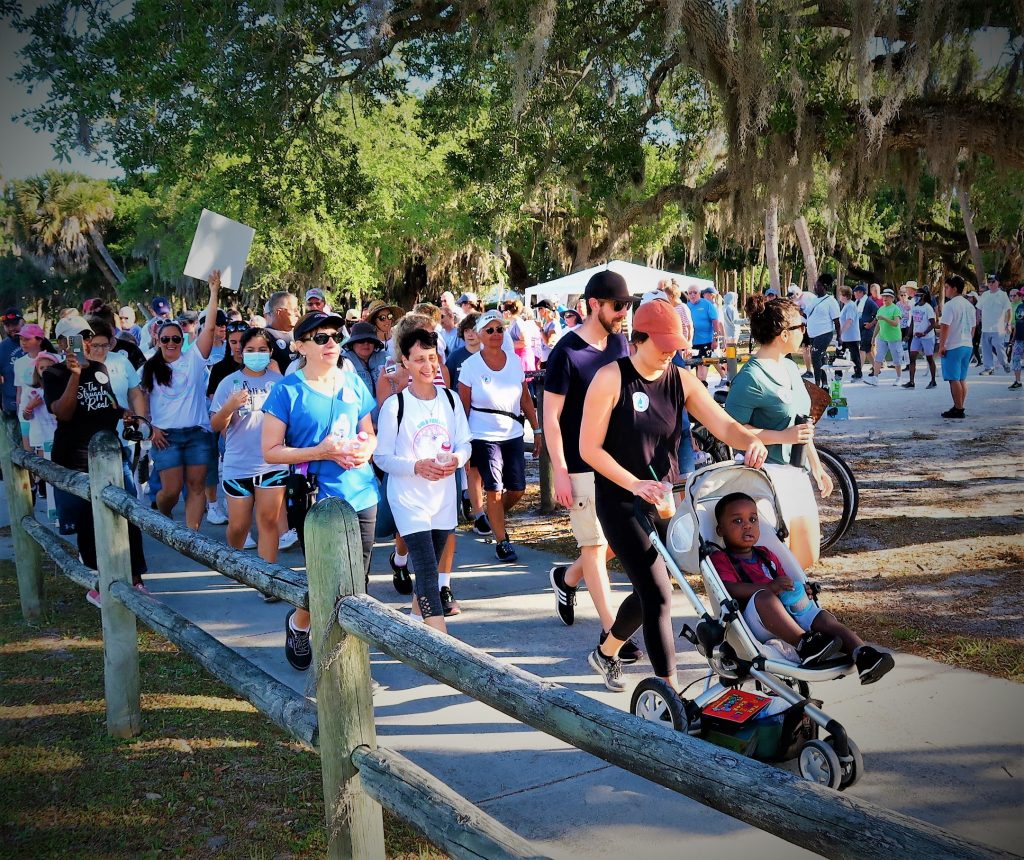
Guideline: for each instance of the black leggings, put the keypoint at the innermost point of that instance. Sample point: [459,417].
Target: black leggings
[650,604]
[819,345]
[425,550]
[853,347]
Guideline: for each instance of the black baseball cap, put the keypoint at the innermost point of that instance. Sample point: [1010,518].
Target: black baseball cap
[314,320]
[544,303]
[860,288]
[12,314]
[222,318]
[608,286]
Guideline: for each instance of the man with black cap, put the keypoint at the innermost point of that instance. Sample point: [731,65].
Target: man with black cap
[572,365]
[10,349]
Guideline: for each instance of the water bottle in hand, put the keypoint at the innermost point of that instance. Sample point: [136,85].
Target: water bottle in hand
[444,455]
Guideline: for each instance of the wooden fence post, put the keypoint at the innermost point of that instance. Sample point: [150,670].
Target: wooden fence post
[113,558]
[27,557]
[547,473]
[344,699]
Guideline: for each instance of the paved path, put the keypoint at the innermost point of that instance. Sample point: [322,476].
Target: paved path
[939,743]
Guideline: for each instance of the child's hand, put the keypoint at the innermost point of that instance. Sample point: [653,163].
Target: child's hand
[782,583]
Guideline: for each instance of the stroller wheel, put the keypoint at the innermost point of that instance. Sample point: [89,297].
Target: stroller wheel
[655,700]
[819,763]
[853,769]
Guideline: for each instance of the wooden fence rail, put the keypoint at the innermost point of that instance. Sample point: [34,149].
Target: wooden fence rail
[358,777]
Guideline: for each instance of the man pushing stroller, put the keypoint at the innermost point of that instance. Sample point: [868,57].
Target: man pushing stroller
[777,606]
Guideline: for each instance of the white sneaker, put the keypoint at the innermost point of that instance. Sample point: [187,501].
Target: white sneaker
[215,514]
[249,543]
[288,540]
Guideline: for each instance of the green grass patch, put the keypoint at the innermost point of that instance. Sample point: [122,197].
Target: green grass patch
[208,775]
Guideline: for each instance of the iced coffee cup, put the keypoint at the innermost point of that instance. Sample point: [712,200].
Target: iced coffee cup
[666,506]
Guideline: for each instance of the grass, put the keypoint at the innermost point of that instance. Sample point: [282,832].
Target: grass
[208,775]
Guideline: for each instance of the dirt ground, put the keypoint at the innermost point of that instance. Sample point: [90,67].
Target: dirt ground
[934,563]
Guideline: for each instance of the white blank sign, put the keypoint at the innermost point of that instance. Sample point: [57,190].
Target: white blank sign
[219,243]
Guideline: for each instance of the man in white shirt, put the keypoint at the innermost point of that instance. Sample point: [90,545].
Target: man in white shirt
[822,315]
[956,337]
[996,313]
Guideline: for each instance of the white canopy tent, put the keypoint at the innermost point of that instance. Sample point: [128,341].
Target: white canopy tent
[639,279]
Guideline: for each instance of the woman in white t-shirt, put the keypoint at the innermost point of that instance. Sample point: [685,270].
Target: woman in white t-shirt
[922,323]
[249,482]
[182,440]
[492,386]
[422,439]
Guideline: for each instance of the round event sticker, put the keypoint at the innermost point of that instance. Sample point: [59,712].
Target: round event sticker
[641,401]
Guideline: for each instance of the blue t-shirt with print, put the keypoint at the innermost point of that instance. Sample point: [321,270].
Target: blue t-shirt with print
[1018,322]
[704,313]
[311,415]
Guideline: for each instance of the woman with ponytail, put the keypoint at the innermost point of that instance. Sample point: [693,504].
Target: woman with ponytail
[182,439]
[768,397]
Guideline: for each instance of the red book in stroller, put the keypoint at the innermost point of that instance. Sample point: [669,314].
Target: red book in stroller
[737,706]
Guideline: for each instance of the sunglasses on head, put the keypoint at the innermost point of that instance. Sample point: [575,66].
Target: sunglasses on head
[171,338]
[237,326]
[321,337]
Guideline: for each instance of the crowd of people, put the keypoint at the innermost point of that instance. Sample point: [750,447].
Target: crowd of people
[419,418]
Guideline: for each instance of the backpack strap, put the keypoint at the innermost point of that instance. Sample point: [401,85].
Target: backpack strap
[401,406]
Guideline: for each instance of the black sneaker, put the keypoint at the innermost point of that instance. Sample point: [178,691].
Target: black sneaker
[908,384]
[629,653]
[609,668]
[448,602]
[815,648]
[400,577]
[954,413]
[482,526]
[296,645]
[565,595]
[857,376]
[872,664]
[807,375]
[931,384]
[503,550]
[1015,386]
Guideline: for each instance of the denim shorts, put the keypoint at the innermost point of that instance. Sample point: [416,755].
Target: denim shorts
[186,446]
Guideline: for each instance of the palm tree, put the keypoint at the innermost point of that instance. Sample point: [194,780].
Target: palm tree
[57,219]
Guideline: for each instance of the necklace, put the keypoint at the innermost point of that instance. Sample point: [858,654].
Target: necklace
[434,407]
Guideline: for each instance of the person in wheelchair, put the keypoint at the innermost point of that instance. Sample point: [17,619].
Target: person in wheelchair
[776,605]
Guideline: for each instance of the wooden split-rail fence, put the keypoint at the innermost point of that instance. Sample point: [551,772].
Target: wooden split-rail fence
[359,777]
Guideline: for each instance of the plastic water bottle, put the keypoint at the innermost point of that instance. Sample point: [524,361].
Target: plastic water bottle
[239,385]
[355,443]
[444,455]
[837,386]
[795,600]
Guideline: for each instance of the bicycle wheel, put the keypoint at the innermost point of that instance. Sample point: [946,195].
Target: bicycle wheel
[852,478]
[835,511]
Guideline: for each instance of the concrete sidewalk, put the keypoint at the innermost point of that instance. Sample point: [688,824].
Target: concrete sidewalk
[941,744]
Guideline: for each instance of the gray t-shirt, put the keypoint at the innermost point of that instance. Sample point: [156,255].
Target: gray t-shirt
[243,451]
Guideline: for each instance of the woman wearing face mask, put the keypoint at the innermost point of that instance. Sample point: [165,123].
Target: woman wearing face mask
[232,360]
[249,482]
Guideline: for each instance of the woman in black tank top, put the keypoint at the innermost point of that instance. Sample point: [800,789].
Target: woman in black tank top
[630,435]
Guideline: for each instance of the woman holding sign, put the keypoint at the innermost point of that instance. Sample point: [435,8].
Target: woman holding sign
[176,385]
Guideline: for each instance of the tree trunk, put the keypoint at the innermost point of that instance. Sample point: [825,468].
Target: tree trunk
[972,237]
[810,261]
[584,245]
[114,272]
[771,243]
[920,265]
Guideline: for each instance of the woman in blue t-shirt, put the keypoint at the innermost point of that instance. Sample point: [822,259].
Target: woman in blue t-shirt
[311,419]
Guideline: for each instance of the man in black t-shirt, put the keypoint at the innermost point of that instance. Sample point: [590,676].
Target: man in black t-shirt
[82,400]
[571,366]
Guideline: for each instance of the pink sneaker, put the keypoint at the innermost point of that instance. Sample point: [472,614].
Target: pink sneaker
[93,596]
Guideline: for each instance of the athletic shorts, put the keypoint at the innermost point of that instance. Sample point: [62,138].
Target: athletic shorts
[893,347]
[704,350]
[1016,355]
[865,341]
[762,634]
[502,465]
[186,446]
[923,344]
[586,527]
[955,363]
[244,488]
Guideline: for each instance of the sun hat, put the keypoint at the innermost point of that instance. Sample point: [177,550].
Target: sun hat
[71,326]
[314,320]
[573,312]
[376,306]
[660,322]
[888,292]
[361,333]
[31,330]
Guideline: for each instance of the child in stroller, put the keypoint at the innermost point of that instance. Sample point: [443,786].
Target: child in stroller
[777,606]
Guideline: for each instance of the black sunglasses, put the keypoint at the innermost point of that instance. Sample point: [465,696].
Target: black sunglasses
[494,329]
[384,317]
[237,326]
[618,306]
[321,337]
[171,338]
[801,326]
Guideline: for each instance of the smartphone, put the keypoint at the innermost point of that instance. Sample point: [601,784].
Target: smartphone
[77,346]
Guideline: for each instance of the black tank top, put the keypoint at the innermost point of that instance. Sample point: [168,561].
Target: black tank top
[645,427]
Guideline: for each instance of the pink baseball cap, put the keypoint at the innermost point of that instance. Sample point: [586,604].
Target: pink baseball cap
[45,355]
[31,330]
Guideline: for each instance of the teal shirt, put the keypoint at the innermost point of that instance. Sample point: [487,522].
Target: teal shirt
[769,396]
